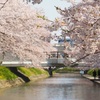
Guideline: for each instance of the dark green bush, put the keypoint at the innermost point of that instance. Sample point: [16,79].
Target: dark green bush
[90,72]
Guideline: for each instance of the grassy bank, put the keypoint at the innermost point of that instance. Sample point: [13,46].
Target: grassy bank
[32,71]
[6,74]
[8,79]
[67,70]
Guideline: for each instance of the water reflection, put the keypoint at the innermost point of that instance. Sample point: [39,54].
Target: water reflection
[60,87]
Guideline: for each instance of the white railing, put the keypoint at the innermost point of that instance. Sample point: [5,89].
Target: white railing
[44,64]
[59,47]
[15,63]
[55,60]
[52,61]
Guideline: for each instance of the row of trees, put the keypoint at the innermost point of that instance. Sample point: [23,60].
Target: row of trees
[24,32]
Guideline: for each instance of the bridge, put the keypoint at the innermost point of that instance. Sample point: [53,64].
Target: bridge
[9,60]
[55,58]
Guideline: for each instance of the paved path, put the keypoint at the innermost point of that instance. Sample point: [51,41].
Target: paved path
[92,78]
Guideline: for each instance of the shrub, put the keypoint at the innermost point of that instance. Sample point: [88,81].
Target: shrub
[90,72]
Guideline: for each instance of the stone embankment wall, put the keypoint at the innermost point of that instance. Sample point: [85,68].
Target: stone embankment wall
[9,83]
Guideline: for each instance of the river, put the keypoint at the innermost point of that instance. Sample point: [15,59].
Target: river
[59,87]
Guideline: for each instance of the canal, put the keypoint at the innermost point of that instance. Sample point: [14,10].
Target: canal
[59,87]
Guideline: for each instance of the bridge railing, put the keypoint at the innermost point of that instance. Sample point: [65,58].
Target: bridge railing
[15,63]
[59,47]
[55,60]
[52,61]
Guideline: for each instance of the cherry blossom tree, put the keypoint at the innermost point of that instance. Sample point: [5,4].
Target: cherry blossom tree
[82,23]
[23,33]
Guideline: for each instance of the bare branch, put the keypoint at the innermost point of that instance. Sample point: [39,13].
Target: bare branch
[3,4]
[2,32]
[78,60]
[94,24]
[83,58]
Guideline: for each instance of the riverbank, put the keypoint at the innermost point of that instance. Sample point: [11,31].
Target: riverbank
[91,78]
[8,79]
[65,86]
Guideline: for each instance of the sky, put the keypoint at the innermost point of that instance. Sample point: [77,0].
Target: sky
[49,9]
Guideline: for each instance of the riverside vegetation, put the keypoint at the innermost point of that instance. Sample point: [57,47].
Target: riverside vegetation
[7,78]
[67,70]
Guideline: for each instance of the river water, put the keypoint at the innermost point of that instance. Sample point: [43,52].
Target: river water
[59,87]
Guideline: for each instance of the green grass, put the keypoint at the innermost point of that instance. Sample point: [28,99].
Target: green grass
[6,74]
[32,71]
[66,70]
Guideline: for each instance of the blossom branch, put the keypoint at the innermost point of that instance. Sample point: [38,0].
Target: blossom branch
[3,4]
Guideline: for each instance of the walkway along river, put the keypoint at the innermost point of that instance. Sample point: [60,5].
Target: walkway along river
[59,87]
